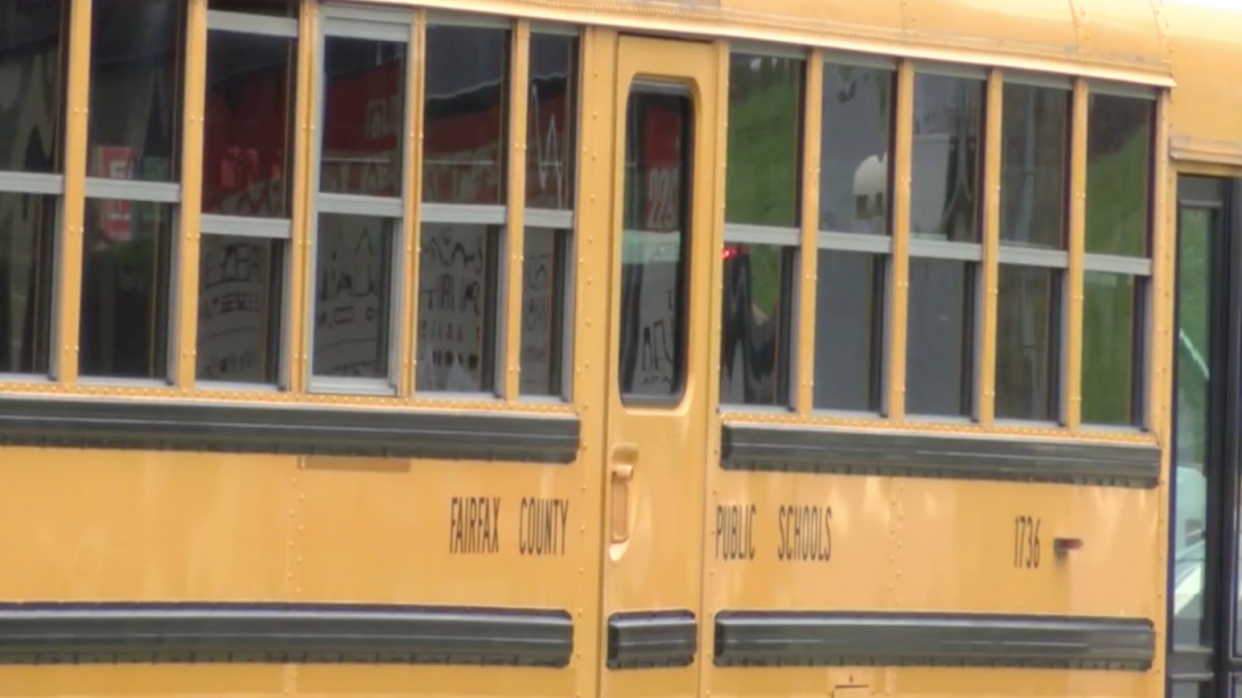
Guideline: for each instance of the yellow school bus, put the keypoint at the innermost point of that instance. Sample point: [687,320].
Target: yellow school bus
[690,348]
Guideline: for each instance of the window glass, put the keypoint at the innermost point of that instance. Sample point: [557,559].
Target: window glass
[465,127]
[552,122]
[27,270]
[545,293]
[945,162]
[363,117]
[126,289]
[655,244]
[1118,174]
[1196,232]
[247,146]
[854,163]
[940,338]
[1109,346]
[353,296]
[755,328]
[764,127]
[1034,166]
[135,90]
[1028,343]
[457,291]
[32,97]
[278,8]
[240,284]
[849,330]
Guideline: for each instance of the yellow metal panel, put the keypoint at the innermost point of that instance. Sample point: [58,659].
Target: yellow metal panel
[1119,44]
[812,127]
[185,327]
[144,526]
[1030,28]
[519,74]
[73,206]
[651,560]
[1072,395]
[1203,114]
[958,544]
[593,217]
[899,265]
[1119,32]
[144,680]
[991,246]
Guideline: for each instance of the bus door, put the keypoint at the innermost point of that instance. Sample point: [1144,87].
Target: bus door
[657,405]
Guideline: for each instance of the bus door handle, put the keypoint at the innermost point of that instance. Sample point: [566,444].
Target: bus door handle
[623,457]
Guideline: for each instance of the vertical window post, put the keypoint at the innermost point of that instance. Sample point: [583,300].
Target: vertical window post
[812,131]
[898,286]
[186,316]
[511,343]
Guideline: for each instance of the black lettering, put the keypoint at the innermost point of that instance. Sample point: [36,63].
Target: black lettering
[543,526]
[474,525]
[804,533]
[735,531]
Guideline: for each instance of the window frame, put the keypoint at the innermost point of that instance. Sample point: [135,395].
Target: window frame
[256,228]
[170,193]
[1056,260]
[788,239]
[881,246]
[379,24]
[1141,270]
[496,217]
[955,251]
[563,222]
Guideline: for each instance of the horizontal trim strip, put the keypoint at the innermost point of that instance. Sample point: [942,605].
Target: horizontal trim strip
[282,633]
[299,429]
[909,454]
[761,639]
[648,640]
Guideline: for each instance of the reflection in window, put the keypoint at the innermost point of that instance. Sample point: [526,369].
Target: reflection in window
[353,288]
[363,117]
[247,148]
[765,110]
[849,330]
[857,131]
[940,338]
[457,291]
[545,293]
[32,100]
[465,122]
[1028,343]
[945,164]
[1034,211]
[278,8]
[1034,166]
[551,121]
[135,95]
[126,270]
[240,281]
[27,268]
[757,311]
[1192,350]
[1118,174]
[1110,309]
[655,244]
